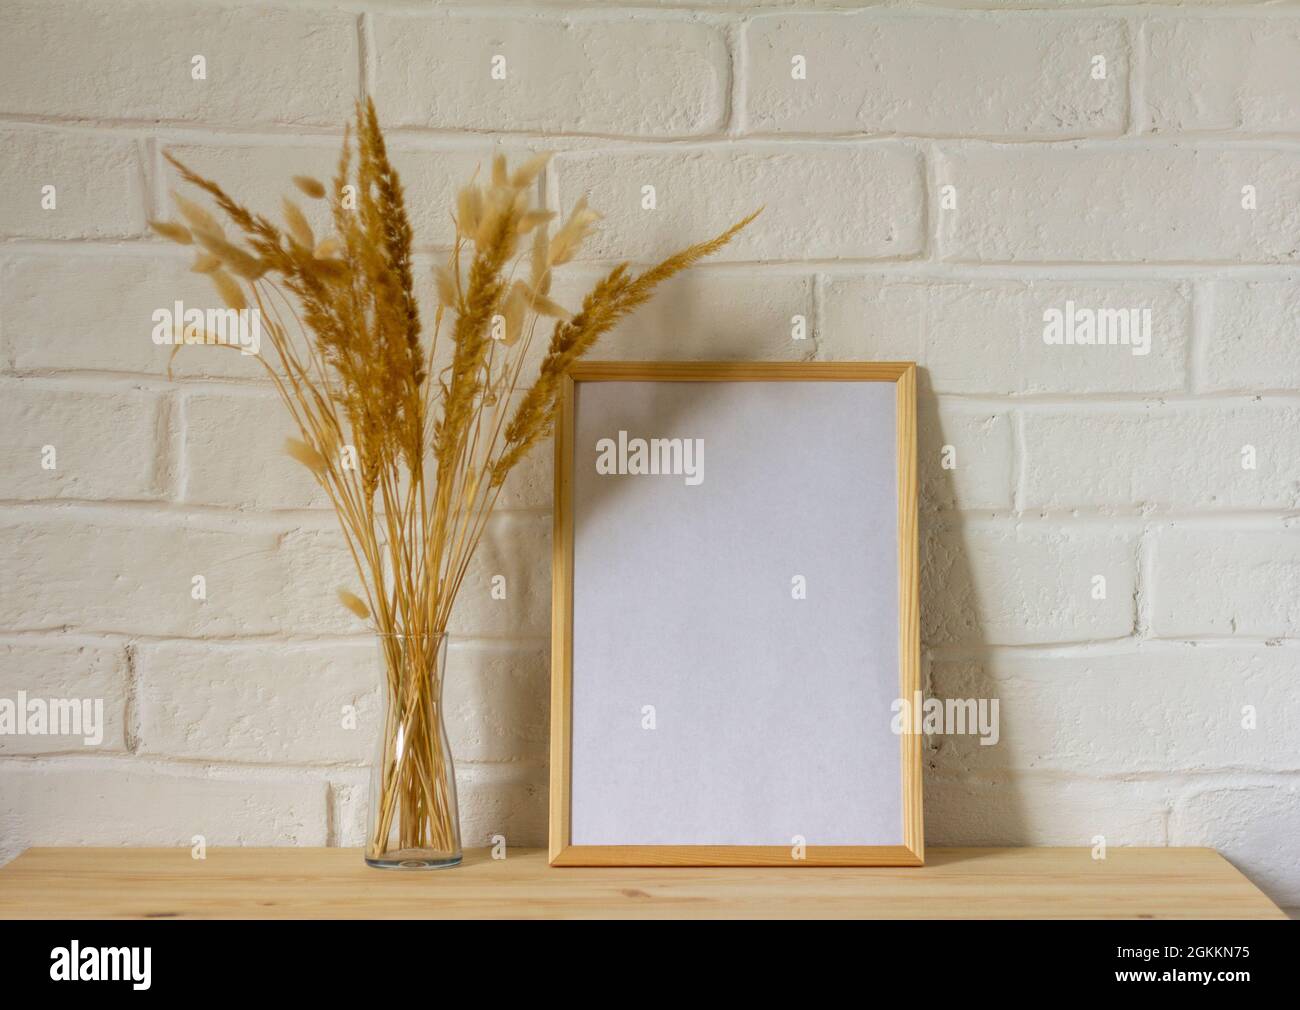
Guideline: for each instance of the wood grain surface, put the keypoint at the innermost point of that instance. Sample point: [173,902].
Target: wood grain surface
[335,883]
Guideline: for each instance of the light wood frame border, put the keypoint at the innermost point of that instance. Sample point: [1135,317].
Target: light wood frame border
[562,851]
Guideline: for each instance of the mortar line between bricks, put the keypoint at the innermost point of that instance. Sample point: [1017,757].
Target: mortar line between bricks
[1187,776]
[818,312]
[123,127]
[285,520]
[574,10]
[145,174]
[474,641]
[929,224]
[222,133]
[839,269]
[1066,517]
[224,769]
[333,814]
[253,389]
[1129,647]
[323,520]
[458,642]
[954,9]
[1203,306]
[181,435]
[1143,584]
[146,762]
[150,382]
[1019,142]
[131,715]
[1154,398]
[1031,401]
[90,636]
[1139,119]
[1017,273]
[591,143]
[1018,454]
[1060,644]
[1135,264]
[737,77]
[1133,642]
[898,269]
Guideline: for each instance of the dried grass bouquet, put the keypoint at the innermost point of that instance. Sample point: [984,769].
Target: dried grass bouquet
[412,459]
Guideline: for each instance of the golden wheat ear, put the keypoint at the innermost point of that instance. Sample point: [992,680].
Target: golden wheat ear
[307,455]
[614,296]
[314,188]
[354,603]
[691,255]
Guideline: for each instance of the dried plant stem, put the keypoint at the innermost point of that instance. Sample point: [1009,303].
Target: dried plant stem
[412,456]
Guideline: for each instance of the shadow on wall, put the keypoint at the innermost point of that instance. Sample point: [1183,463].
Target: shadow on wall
[961,807]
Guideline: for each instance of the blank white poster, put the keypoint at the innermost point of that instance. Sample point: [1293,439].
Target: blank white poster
[735,620]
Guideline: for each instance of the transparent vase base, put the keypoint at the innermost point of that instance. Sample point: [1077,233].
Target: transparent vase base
[412,822]
[414,859]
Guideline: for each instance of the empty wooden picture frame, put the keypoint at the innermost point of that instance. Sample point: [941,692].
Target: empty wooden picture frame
[735,616]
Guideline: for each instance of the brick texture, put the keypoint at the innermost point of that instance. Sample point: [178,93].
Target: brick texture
[631,76]
[70,185]
[1217,74]
[930,75]
[263,63]
[1067,203]
[1110,546]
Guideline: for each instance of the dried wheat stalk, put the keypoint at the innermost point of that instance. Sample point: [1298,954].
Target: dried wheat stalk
[431,449]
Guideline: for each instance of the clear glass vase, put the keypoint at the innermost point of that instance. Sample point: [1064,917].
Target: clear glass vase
[413,822]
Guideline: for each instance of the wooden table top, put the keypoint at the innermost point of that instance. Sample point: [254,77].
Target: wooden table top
[335,883]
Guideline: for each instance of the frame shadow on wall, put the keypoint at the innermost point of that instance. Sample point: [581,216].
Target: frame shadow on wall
[966,803]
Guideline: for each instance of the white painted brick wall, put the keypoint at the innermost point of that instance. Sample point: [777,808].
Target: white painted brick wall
[119,801]
[931,75]
[104,443]
[240,436]
[820,202]
[215,703]
[1215,74]
[1135,202]
[967,457]
[985,336]
[95,60]
[96,180]
[1163,456]
[1179,706]
[990,581]
[1252,336]
[58,669]
[1255,589]
[574,72]
[941,178]
[107,327]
